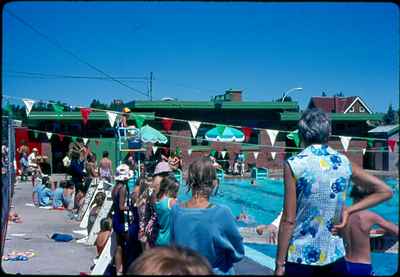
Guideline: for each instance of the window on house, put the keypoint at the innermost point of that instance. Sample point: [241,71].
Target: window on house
[362,109]
[351,110]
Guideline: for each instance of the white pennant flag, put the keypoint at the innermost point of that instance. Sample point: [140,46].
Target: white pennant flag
[190,151]
[256,154]
[345,141]
[194,126]
[364,151]
[273,154]
[223,153]
[272,135]
[29,104]
[85,140]
[154,149]
[111,118]
[49,135]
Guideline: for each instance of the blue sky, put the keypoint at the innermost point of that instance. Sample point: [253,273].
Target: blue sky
[197,50]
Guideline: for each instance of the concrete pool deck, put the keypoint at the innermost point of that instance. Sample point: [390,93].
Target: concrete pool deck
[71,258]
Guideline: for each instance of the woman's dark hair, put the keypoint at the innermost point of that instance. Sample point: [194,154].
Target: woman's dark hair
[170,260]
[63,184]
[201,177]
[142,184]
[168,185]
[105,224]
[314,126]
[105,154]
[70,184]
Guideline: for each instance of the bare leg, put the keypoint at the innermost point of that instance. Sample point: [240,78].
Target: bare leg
[118,259]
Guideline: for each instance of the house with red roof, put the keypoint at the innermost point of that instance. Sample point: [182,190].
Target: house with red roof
[337,104]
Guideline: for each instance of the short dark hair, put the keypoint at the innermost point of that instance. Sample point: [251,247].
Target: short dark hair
[105,154]
[170,260]
[70,184]
[201,176]
[63,184]
[168,185]
[314,126]
[105,224]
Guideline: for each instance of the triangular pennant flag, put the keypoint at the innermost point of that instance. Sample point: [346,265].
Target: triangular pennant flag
[213,151]
[256,154]
[61,137]
[295,137]
[97,142]
[58,109]
[35,135]
[220,129]
[167,123]
[392,144]
[272,135]
[247,133]
[85,140]
[49,135]
[111,118]
[273,154]
[194,127]
[190,151]
[345,141]
[29,104]
[73,138]
[370,143]
[154,149]
[223,154]
[85,114]
[364,151]
[139,120]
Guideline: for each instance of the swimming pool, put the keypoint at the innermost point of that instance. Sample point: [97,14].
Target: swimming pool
[264,202]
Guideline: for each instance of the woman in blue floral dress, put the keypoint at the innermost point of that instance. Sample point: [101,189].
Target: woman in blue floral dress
[316,181]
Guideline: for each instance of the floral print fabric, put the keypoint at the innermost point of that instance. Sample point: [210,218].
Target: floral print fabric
[322,178]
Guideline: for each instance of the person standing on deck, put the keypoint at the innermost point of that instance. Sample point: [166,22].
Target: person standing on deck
[105,167]
[315,182]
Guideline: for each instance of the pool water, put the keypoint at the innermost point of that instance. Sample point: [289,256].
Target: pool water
[264,201]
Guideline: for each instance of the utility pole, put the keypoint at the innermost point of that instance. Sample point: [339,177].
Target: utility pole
[151,87]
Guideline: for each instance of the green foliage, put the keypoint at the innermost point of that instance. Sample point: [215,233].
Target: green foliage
[391,117]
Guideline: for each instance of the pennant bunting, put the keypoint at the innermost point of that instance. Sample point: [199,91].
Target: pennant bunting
[194,127]
[273,154]
[272,135]
[256,154]
[190,151]
[154,149]
[213,151]
[61,137]
[73,138]
[345,142]
[364,151]
[370,143]
[35,135]
[295,137]
[85,140]
[139,120]
[58,109]
[29,104]
[247,133]
[49,135]
[223,154]
[111,118]
[85,112]
[391,144]
[167,123]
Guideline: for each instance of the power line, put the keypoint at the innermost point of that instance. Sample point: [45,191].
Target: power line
[70,76]
[66,77]
[58,45]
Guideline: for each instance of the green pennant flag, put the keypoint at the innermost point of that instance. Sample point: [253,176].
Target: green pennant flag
[370,143]
[139,120]
[58,109]
[178,151]
[8,108]
[73,138]
[35,134]
[221,128]
[294,136]
[213,151]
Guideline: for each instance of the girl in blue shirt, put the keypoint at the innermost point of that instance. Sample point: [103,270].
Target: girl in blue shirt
[204,227]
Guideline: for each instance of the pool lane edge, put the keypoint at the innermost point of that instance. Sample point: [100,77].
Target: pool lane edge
[259,257]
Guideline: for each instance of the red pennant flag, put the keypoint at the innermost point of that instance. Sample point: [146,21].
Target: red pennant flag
[61,137]
[167,123]
[392,144]
[97,142]
[85,114]
[247,133]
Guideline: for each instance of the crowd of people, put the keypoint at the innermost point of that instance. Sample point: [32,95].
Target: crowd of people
[155,233]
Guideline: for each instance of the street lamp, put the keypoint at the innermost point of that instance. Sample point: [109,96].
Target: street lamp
[290,90]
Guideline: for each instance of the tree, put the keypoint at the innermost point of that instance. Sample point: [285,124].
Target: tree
[340,94]
[96,104]
[287,99]
[391,117]
[323,94]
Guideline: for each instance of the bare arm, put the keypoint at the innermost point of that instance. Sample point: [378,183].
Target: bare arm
[288,219]
[388,226]
[380,193]
[122,193]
